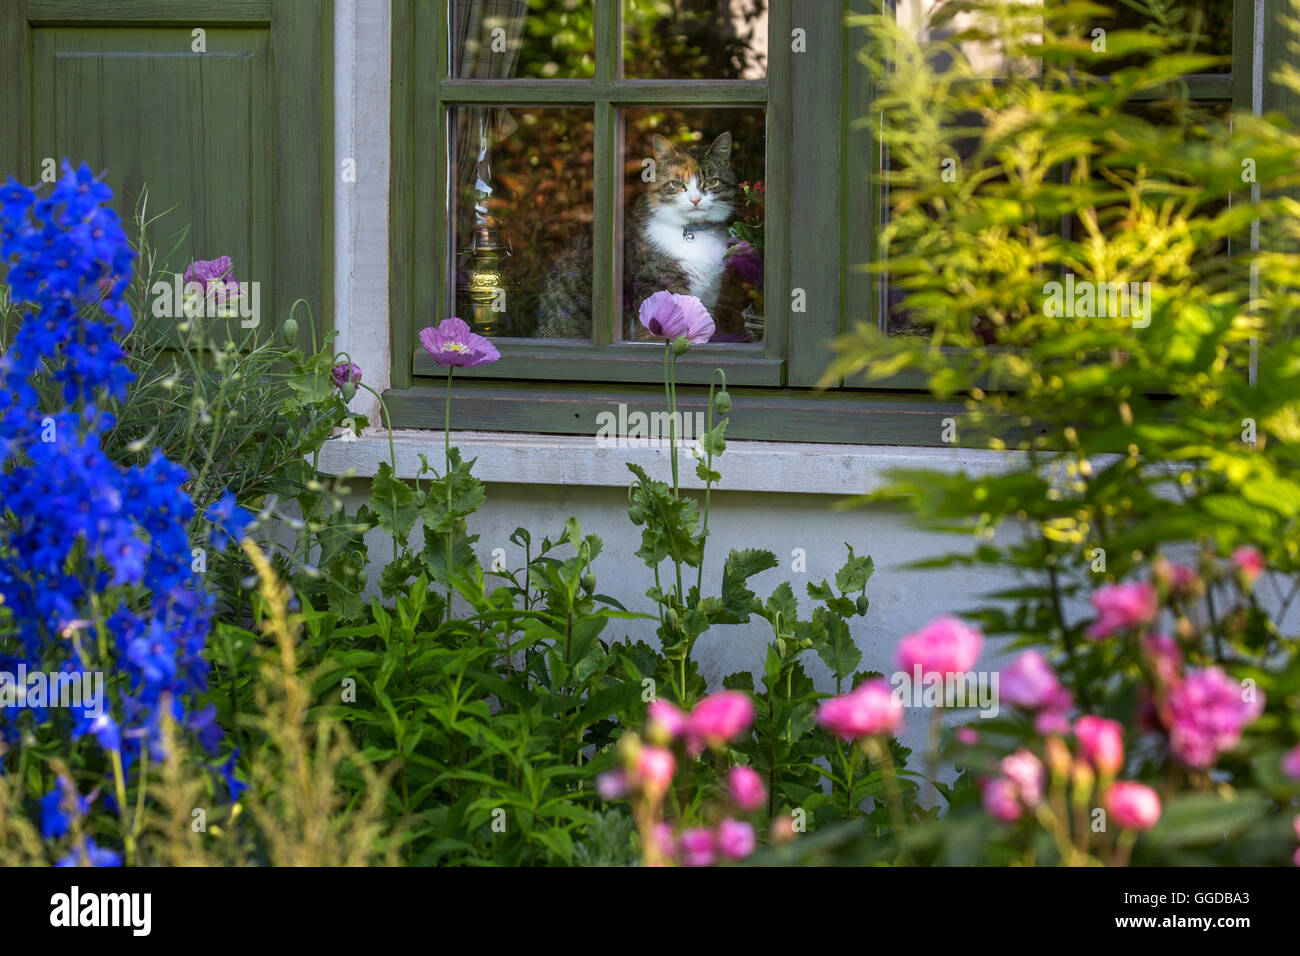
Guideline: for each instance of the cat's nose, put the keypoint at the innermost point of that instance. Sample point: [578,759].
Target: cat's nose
[696,200]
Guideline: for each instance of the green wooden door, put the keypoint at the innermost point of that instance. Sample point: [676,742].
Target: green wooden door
[221,109]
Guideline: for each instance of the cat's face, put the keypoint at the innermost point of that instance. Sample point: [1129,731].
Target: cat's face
[693,187]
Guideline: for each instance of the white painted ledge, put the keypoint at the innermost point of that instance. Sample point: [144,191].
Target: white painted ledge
[575,460]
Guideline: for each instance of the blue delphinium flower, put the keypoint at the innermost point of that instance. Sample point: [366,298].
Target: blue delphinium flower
[90,855]
[56,816]
[82,537]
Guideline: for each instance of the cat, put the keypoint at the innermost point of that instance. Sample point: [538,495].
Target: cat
[675,237]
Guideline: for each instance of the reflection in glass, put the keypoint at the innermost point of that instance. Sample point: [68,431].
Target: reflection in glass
[933,22]
[695,39]
[541,39]
[522,180]
[694,213]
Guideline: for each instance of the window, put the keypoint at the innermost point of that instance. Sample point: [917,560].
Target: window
[525,144]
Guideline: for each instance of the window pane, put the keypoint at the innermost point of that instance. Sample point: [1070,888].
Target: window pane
[693,214]
[522,180]
[935,24]
[695,39]
[534,39]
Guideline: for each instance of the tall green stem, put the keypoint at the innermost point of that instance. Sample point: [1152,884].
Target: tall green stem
[446,474]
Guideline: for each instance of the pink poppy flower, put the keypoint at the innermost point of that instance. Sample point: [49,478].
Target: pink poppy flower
[451,343]
[671,316]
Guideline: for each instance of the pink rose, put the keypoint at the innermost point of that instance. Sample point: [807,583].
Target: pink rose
[968,736]
[696,847]
[1207,711]
[944,646]
[1249,562]
[1101,742]
[869,710]
[1024,770]
[1123,607]
[654,770]
[664,722]
[1134,806]
[1000,801]
[735,839]
[721,716]
[1029,682]
[1291,763]
[745,788]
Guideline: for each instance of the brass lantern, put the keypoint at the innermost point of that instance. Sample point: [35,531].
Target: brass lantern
[488,288]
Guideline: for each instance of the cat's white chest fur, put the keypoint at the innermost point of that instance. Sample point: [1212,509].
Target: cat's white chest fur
[700,258]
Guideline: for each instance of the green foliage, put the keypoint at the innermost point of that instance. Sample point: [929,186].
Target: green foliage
[1166,430]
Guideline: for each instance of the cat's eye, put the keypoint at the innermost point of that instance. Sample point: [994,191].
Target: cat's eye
[677,184]
[712,183]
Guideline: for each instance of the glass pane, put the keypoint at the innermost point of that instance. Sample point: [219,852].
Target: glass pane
[534,39]
[695,39]
[522,185]
[693,215]
[935,24]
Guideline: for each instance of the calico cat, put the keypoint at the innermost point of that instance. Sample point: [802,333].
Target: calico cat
[674,239]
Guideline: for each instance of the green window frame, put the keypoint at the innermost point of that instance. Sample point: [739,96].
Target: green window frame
[812,100]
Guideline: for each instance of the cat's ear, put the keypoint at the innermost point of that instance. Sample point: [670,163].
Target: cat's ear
[664,150]
[721,148]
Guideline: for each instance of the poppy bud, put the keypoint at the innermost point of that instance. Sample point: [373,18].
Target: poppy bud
[289,330]
[722,402]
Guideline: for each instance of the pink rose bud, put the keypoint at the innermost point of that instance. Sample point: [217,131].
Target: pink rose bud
[746,788]
[968,736]
[782,829]
[1025,770]
[869,710]
[1249,562]
[1050,722]
[654,770]
[1101,742]
[664,843]
[944,646]
[1029,682]
[735,839]
[1123,607]
[1165,656]
[1291,763]
[721,716]
[1000,801]
[696,847]
[665,723]
[1134,806]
